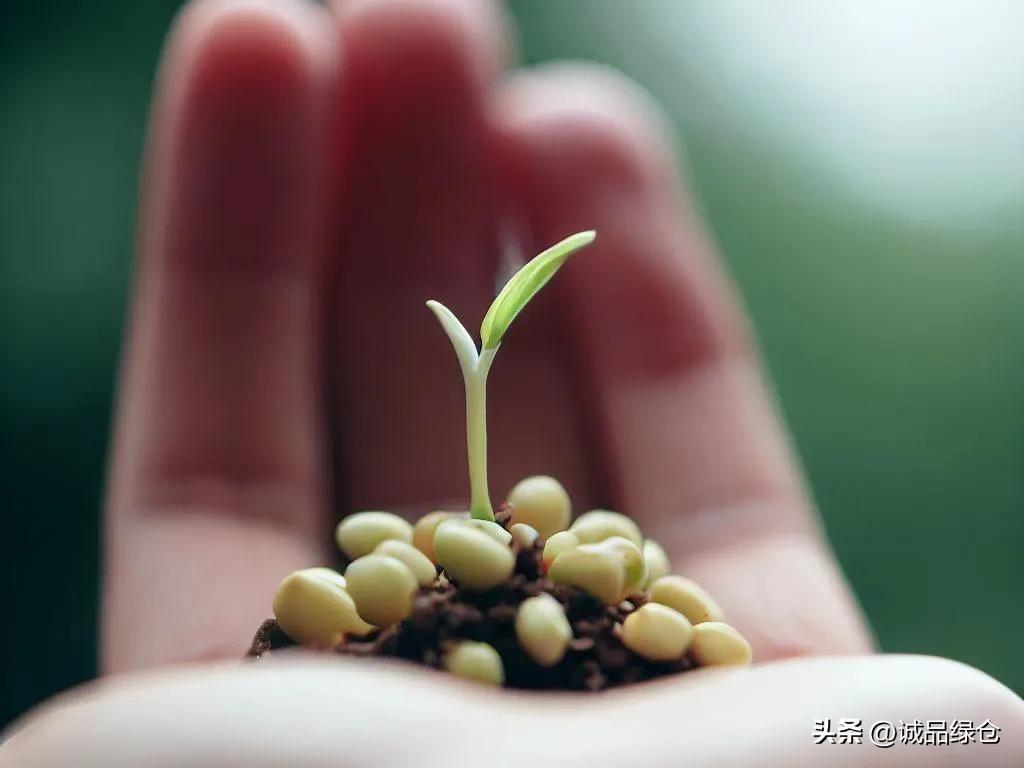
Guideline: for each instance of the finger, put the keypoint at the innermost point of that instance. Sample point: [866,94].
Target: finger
[328,713]
[691,441]
[421,221]
[216,487]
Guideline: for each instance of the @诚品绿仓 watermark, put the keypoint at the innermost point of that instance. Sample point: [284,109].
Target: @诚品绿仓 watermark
[888,733]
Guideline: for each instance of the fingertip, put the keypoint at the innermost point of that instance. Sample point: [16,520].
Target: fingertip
[586,147]
[464,41]
[238,126]
[596,115]
[273,45]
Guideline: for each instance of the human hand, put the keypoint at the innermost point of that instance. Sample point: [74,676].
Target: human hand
[311,178]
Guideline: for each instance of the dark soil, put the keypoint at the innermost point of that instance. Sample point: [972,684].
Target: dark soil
[441,615]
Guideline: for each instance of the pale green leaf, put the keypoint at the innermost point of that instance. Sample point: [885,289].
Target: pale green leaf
[465,348]
[525,284]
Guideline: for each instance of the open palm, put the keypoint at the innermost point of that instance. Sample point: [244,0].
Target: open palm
[312,177]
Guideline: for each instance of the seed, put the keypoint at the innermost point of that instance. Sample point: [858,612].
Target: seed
[359,534]
[633,561]
[382,588]
[542,502]
[328,574]
[423,531]
[610,570]
[657,561]
[657,633]
[472,555]
[561,542]
[600,524]
[414,560]
[718,644]
[523,535]
[543,629]
[687,597]
[596,570]
[493,530]
[313,608]
[475,661]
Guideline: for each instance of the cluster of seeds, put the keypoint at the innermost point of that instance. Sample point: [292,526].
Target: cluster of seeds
[549,586]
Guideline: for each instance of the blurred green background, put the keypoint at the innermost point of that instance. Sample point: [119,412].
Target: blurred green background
[861,164]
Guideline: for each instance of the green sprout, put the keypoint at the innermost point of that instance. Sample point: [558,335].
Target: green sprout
[475,365]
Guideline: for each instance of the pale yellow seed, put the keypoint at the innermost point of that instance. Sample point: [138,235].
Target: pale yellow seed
[471,555]
[359,534]
[597,571]
[492,529]
[313,608]
[382,588]
[423,531]
[657,633]
[657,561]
[523,536]
[415,561]
[475,661]
[600,524]
[635,577]
[717,644]
[687,597]
[561,542]
[541,501]
[543,629]
[323,572]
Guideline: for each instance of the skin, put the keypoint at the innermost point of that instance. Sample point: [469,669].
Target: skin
[312,176]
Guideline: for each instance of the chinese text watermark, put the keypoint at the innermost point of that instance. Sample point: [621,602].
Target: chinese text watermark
[886,733]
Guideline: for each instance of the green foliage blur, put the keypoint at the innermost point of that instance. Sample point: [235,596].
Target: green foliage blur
[868,202]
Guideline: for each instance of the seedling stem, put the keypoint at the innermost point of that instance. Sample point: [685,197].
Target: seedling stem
[475,365]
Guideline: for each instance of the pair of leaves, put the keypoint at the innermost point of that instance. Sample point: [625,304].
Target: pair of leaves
[516,294]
